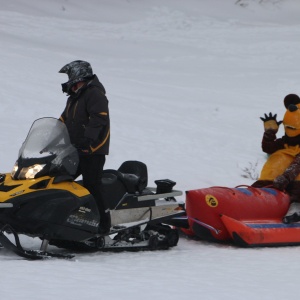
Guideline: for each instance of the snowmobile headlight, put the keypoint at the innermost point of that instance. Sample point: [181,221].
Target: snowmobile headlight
[14,170]
[30,172]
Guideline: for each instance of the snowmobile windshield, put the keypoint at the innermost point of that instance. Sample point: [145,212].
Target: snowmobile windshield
[47,150]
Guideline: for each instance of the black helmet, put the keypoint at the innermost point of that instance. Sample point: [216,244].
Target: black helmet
[77,70]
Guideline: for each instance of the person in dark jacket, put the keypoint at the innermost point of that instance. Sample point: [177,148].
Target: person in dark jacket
[86,117]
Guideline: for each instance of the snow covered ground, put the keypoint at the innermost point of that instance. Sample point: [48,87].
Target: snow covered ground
[187,82]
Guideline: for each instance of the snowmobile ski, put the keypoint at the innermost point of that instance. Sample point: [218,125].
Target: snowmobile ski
[28,254]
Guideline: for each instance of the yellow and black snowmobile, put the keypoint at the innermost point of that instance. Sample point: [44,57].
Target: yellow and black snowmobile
[40,198]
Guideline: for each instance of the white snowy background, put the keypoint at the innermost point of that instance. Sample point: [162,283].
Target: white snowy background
[187,82]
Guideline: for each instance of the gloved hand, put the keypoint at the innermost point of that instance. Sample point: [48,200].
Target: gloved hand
[280,182]
[84,151]
[85,148]
[270,122]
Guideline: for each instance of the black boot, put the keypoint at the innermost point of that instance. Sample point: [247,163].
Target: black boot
[105,223]
[293,214]
[295,217]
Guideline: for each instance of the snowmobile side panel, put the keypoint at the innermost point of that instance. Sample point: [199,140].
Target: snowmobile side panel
[129,201]
[56,213]
[6,205]
[173,193]
[9,189]
[160,209]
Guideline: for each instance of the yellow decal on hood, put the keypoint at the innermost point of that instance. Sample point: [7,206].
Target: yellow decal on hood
[211,201]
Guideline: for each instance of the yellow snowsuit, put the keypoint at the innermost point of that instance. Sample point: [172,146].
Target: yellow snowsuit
[278,162]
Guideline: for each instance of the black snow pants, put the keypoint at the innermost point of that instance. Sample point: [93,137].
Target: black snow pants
[91,169]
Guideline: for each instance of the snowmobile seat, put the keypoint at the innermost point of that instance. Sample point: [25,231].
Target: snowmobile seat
[112,189]
[135,175]
[131,177]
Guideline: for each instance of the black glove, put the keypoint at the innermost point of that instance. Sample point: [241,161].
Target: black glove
[85,147]
[270,122]
[84,151]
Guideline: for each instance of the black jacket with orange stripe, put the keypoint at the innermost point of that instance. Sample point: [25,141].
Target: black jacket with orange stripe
[87,118]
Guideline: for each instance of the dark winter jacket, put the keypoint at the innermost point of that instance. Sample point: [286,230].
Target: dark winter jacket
[87,118]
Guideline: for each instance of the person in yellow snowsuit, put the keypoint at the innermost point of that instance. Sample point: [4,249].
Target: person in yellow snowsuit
[282,169]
